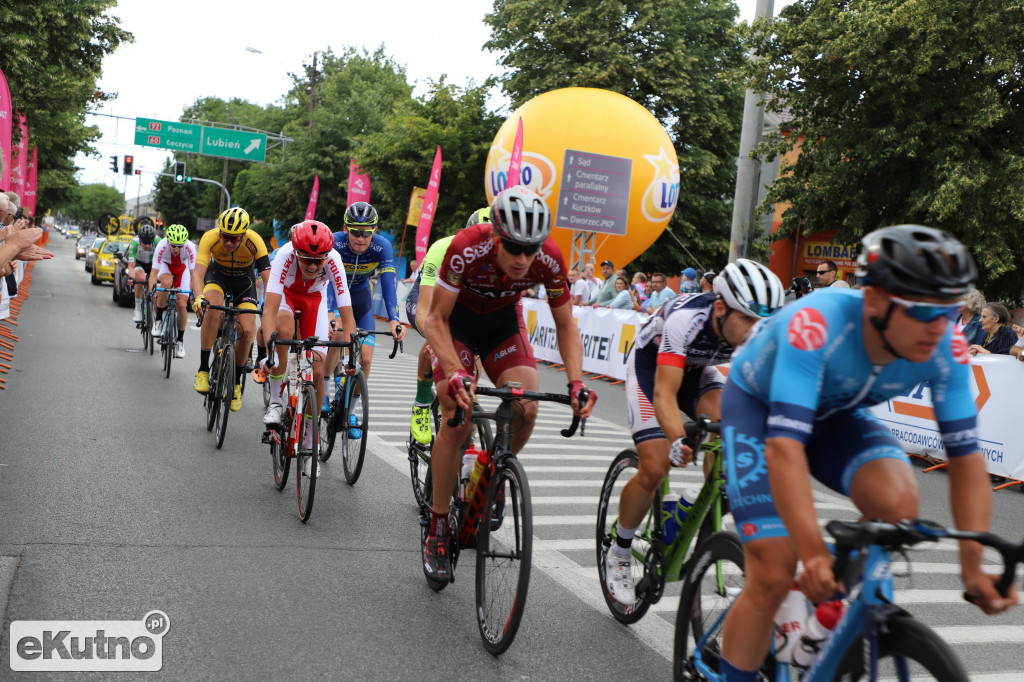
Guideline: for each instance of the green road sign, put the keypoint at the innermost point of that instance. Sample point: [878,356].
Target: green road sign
[234,144]
[181,137]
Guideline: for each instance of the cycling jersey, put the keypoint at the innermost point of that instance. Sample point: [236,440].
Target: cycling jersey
[180,265]
[139,252]
[308,296]
[470,269]
[249,258]
[426,276]
[360,268]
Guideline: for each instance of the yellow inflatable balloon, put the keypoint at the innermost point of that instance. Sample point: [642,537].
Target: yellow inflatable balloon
[601,162]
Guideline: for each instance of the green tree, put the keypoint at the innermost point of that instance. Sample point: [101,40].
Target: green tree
[178,202]
[908,112]
[88,202]
[52,56]
[676,58]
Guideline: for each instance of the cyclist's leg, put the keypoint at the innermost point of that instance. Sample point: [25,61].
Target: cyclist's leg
[285,331]
[506,355]
[420,425]
[214,293]
[181,278]
[245,296]
[333,354]
[362,310]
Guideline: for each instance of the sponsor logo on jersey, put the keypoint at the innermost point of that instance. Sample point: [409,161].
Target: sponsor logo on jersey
[454,278]
[807,330]
[749,529]
[456,264]
[504,352]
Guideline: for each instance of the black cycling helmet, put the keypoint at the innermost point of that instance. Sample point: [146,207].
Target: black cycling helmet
[914,260]
[361,215]
[147,234]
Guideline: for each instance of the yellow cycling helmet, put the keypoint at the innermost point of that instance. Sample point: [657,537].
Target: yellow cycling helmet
[233,221]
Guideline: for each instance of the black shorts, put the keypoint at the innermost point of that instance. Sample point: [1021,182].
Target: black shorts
[146,267]
[498,338]
[240,285]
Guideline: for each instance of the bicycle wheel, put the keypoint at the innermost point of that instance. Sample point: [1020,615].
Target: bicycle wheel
[908,650]
[170,335]
[147,321]
[503,555]
[353,449]
[279,457]
[711,586]
[419,459]
[623,467]
[329,422]
[212,398]
[306,459]
[225,393]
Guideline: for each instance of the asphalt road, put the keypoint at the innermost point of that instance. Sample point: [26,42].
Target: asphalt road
[114,502]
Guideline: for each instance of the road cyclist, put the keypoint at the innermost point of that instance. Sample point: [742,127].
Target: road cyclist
[229,259]
[174,261]
[671,372]
[302,271]
[140,260]
[795,405]
[474,311]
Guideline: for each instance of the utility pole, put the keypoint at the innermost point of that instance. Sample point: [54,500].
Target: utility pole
[748,170]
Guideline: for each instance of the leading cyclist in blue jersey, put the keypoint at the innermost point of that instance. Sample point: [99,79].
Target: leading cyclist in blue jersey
[796,405]
[365,253]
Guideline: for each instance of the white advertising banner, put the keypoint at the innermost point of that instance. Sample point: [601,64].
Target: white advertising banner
[995,380]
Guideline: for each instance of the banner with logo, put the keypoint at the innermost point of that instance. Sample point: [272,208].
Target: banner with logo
[995,385]
[429,205]
[313,197]
[19,161]
[31,181]
[515,164]
[6,119]
[358,184]
[415,205]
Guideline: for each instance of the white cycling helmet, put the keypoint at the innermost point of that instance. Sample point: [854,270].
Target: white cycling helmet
[750,288]
[520,216]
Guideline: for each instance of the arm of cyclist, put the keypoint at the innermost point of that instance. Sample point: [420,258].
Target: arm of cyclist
[970,497]
[198,280]
[790,481]
[570,346]
[439,336]
[667,380]
[389,292]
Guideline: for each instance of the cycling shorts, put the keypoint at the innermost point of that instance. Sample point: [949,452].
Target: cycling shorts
[314,320]
[241,285]
[181,275]
[839,446]
[362,310]
[498,337]
[640,397]
[145,265]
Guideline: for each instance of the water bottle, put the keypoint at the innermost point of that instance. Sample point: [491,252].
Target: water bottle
[817,633]
[329,387]
[468,462]
[790,620]
[669,525]
[483,460]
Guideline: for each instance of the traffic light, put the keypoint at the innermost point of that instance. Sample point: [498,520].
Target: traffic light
[179,171]
[129,161]
[138,172]
[113,163]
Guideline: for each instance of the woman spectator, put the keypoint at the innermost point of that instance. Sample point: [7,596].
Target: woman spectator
[970,317]
[999,337]
[626,298]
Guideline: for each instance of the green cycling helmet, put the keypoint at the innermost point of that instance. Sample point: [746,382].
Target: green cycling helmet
[177,235]
[481,215]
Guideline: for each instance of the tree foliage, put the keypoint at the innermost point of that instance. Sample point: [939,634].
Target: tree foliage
[178,202]
[52,56]
[677,58]
[88,202]
[908,112]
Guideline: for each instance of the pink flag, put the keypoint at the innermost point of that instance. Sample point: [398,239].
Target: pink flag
[429,204]
[5,132]
[358,184]
[516,164]
[313,196]
[19,160]
[31,181]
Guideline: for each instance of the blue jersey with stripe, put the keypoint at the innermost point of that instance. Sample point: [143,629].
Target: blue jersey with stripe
[361,267]
[808,362]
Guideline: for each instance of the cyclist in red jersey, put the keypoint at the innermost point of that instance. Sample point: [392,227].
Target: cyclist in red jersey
[475,310]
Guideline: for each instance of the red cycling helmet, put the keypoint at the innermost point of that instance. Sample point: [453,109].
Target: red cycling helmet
[312,239]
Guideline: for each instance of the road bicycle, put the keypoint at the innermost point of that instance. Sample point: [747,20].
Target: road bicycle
[294,437]
[348,416]
[498,518]
[654,562]
[223,371]
[146,325]
[874,638]
[169,334]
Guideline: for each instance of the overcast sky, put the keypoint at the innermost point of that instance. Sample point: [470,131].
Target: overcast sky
[197,48]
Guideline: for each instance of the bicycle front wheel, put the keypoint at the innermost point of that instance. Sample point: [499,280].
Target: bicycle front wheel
[212,397]
[908,650]
[225,392]
[712,584]
[279,457]
[355,425]
[306,446]
[503,554]
[623,467]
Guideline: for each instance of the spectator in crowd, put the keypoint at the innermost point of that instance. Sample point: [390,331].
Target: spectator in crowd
[660,292]
[999,337]
[640,286]
[17,237]
[625,297]
[593,283]
[827,273]
[969,321]
[606,292]
[1017,350]
[412,273]
[688,285]
[707,281]
[578,288]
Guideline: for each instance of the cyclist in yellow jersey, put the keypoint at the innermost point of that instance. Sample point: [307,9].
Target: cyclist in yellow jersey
[238,256]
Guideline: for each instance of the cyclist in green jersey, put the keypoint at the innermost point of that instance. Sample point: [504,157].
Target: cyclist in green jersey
[140,262]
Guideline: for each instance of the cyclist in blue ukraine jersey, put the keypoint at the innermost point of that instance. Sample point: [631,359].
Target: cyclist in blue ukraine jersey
[365,253]
[796,404]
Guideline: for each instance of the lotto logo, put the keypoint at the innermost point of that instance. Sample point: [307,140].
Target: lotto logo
[748,529]
[959,347]
[807,330]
